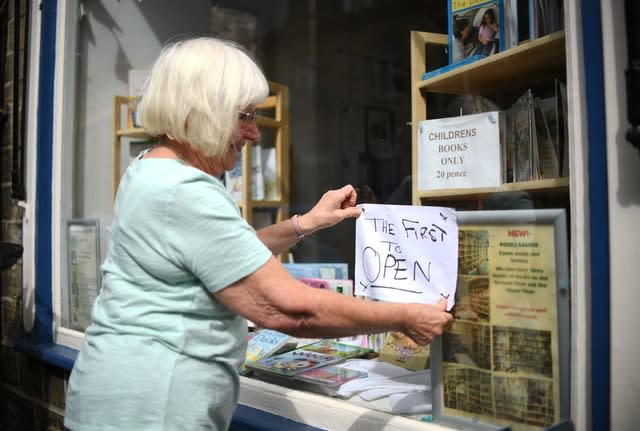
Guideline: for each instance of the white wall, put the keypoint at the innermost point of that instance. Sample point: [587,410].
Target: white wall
[114,37]
[624,214]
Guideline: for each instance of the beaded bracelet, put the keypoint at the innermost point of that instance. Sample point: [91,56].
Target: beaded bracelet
[296,227]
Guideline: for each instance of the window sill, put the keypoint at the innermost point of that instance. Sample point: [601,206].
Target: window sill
[51,353]
[310,408]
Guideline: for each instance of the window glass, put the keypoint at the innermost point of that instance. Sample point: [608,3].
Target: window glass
[349,98]
[348,69]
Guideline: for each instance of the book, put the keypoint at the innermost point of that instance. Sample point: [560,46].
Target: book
[337,271]
[563,127]
[460,152]
[331,376]
[136,80]
[545,17]
[481,27]
[335,348]
[234,179]
[546,137]
[265,342]
[234,182]
[257,173]
[398,349]
[269,173]
[291,363]
[522,137]
[344,287]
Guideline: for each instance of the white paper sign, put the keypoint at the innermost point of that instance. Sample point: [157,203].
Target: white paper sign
[406,253]
[460,152]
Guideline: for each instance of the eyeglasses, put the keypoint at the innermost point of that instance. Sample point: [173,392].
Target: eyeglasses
[247,117]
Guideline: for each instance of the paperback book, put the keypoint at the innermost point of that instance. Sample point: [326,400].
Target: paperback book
[337,271]
[344,287]
[398,349]
[331,376]
[294,362]
[523,138]
[481,28]
[265,342]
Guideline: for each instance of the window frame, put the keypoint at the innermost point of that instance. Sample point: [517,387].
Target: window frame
[50,103]
[52,37]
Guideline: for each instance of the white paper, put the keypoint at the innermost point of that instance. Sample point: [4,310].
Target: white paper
[460,152]
[83,272]
[406,253]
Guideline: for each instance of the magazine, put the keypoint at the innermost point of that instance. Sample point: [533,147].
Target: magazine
[331,376]
[398,349]
[481,27]
[294,362]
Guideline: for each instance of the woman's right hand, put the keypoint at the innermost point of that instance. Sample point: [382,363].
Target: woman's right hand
[425,322]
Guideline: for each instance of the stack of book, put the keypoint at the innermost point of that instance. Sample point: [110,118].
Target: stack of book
[313,363]
[536,139]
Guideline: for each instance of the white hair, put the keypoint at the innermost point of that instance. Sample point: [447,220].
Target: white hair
[195,90]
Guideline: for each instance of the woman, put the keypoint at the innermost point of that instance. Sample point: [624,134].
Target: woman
[184,270]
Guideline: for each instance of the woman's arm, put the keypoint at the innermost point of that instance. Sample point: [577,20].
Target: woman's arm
[273,299]
[333,207]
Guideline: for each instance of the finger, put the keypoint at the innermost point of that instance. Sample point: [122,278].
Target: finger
[349,192]
[351,212]
[442,304]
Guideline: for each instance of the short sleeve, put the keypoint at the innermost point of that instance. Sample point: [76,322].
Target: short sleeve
[213,241]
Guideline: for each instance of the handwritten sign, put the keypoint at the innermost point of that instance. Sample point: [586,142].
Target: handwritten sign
[406,253]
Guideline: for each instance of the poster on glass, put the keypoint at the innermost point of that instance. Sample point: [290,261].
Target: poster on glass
[504,361]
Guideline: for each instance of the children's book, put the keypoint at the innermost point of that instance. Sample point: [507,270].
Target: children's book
[294,362]
[334,348]
[337,271]
[233,180]
[331,376]
[523,138]
[398,349]
[265,342]
[344,287]
[481,27]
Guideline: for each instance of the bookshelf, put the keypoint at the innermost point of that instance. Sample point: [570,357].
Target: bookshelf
[272,119]
[527,65]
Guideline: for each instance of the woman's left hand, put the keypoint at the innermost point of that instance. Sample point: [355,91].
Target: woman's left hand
[333,207]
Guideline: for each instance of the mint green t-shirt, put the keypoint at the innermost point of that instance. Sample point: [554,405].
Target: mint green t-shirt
[162,353]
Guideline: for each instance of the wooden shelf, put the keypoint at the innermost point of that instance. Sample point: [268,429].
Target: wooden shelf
[520,66]
[135,133]
[546,185]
